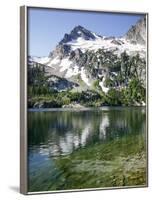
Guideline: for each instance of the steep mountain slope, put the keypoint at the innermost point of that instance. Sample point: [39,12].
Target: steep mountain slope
[89,61]
[137,33]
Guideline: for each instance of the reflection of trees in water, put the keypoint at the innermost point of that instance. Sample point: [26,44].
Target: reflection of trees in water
[63,132]
[126,121]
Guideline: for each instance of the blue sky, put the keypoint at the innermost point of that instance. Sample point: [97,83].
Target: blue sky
[47,27]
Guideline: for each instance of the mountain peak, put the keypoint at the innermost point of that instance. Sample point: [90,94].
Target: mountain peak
[77,32]
[78,27]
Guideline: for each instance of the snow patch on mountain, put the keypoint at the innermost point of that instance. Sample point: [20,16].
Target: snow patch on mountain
[55,61]
[41,60]
[84,77]
[101,83]
[73,71]
[65,64]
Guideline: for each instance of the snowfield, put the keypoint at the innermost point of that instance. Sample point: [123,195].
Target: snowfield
[105,89]
[107,44]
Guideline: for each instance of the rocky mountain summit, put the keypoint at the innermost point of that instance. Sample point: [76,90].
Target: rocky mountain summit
[84,60]
[77,32]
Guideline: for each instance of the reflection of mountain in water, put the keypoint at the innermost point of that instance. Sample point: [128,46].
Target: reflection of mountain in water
[60,133]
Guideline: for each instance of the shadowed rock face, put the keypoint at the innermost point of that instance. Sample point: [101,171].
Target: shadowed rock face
[78,31]
[61,50]
[137,33]
[60,84]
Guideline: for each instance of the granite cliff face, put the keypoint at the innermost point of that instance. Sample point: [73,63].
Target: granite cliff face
[137,33]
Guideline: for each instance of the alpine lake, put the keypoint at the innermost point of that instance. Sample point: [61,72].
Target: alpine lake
[87,148]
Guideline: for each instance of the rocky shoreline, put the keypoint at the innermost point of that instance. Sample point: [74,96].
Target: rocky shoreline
[50,104]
